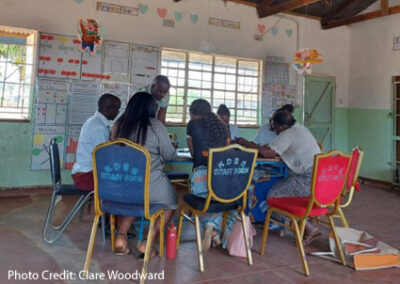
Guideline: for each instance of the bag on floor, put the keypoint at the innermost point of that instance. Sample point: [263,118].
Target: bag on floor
[235,243]
[361,250]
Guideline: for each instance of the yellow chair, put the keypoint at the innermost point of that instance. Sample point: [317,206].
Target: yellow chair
[351,183]
[121,171]
[328,178]
[230,170]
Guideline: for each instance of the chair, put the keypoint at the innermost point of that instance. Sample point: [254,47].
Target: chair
[321,146]
[230,170]
[351,183]
[59,190]
[328,178]
[121,171]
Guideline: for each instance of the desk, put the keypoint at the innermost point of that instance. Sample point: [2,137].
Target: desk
[275,163]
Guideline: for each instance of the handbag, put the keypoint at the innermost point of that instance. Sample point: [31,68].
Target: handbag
[235,243]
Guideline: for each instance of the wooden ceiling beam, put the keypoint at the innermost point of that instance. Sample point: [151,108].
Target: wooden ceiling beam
[384,7]
[336,11]
[283,7]
[360,18]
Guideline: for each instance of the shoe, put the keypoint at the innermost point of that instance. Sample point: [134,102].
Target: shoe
[141,254]
[216,241]
[124,250]
[206,242]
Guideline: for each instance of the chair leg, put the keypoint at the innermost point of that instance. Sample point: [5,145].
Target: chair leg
[103,227]
[141,228]
[180,223]
[162,225]
[265,231]
[342,218]
[148,248]
[246,238]
[302,228]
[223,223]
[112,231]
[337,241]
[299,241]
[198,240]
[91,244]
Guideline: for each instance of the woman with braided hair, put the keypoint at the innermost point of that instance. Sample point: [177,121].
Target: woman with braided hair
[204,131]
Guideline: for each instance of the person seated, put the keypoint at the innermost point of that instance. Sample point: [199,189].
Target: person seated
[224,114]
[139,124]
[297,147]
[204,131]
[95,131]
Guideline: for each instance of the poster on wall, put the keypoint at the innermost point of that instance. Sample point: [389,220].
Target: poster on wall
[83,101]
[71,146]
[42,136]
[121,90]
[92,66]
[116,60]
[144,65]
[59,57]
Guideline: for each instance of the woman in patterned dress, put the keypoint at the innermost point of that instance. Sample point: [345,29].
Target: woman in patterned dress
[138,124]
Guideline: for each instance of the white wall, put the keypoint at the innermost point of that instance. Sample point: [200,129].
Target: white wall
[61,17]
[373,62]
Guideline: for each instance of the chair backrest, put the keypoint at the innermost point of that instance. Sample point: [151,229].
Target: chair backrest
[329,177]
[230,170]
[55,164]
[355,165]
[321,146]
[121,172]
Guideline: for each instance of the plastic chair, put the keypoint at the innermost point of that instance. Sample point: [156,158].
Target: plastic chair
[328,179]
[230,170]
[351,183]
[121,171]
[59,190]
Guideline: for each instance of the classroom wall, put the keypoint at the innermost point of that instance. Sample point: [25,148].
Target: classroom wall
[373,62]
[283,38]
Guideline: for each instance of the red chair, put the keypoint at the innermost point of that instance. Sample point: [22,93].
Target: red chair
[327,183]
[351,183]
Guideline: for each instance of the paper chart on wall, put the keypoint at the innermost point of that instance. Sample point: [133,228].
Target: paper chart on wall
[72,146]
[59,57]
[144,65]
[83,101]
[92,66]
[43,135]
[116,60]
[120,90]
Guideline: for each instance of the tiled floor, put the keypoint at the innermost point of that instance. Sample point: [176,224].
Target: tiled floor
[22,249]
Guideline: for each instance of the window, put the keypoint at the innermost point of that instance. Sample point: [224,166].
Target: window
[16,72]
[218,79]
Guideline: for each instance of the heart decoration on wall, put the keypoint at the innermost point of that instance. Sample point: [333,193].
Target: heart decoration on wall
[162,12]
[274,31]
[289,32]
[142,8]
[178,16]
[78,1]
[261,28]
[194,18]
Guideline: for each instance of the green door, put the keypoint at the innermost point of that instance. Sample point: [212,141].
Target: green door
[319,102]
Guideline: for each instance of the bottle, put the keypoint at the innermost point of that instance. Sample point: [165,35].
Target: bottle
[171,242]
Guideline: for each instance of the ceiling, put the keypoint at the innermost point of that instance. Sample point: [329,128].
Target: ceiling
[331,13]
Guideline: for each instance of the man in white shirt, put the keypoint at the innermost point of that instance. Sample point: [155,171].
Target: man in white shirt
[95,131]
[224,114]
[159,89]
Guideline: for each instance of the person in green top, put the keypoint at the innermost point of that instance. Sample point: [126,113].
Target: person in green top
[159,89]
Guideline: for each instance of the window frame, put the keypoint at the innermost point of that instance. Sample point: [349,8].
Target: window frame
[32,36]
[212,89]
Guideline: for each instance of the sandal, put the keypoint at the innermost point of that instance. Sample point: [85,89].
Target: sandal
[216,241]
[141,254]
[206,242]
[124,250]
[311,237]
